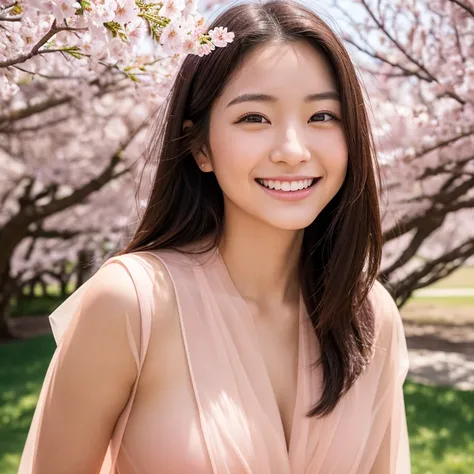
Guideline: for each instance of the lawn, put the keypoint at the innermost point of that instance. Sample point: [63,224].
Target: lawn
[440,419]
[22,371]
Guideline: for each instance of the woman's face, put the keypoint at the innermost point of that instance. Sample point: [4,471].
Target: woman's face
[269,129]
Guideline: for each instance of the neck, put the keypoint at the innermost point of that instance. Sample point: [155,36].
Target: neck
[262,261]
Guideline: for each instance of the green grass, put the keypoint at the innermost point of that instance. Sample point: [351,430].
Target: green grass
[22,371]
[440,422]
[38,306]
[440,419]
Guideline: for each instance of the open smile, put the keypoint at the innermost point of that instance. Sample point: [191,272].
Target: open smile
[287,185]
[289,189]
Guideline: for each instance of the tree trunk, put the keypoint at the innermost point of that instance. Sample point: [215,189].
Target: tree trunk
[6,333]
[8,289]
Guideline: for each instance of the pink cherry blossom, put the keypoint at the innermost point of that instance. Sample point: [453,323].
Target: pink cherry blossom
[126,12]
[190,8]
[220,37]
[64,9]
[205,49]
[172,8]
[172,37]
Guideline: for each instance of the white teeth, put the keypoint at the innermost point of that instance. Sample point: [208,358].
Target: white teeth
[286,185]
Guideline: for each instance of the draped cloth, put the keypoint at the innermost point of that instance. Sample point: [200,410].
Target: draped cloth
[236,411]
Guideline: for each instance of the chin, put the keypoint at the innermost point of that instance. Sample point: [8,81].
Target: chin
[291,223]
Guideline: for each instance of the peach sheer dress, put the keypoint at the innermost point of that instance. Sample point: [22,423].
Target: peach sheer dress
[228,421]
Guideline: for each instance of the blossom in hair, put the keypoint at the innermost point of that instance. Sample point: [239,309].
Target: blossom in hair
[220,37]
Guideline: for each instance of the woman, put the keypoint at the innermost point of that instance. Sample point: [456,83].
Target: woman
[242,329]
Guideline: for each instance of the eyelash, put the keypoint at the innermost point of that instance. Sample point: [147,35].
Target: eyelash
[324,112]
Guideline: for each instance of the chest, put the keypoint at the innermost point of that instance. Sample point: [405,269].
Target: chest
[278,345]
[166,400]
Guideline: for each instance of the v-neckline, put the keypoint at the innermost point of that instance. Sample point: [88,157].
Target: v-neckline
[300,381]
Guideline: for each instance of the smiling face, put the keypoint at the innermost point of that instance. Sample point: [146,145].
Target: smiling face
[274,131]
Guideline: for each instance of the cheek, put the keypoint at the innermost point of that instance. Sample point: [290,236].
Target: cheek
[234,158]
[335,157]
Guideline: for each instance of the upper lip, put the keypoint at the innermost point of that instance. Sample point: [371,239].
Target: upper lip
[290,178]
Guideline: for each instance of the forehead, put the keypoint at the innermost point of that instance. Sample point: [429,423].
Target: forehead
[295,68]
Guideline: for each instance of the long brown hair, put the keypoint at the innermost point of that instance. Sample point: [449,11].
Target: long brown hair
[341,250]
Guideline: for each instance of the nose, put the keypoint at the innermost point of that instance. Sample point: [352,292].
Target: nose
[292,150]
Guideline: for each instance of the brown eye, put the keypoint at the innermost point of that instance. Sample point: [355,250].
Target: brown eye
[327,114]
[252,118]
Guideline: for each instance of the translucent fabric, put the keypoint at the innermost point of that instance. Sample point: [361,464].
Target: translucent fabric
[222,415]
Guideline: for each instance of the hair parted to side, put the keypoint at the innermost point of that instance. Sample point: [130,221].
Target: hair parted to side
[342,248]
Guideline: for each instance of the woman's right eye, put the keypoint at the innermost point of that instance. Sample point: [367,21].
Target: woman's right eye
[252,118]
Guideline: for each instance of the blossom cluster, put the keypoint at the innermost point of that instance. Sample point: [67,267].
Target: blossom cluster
[129,35]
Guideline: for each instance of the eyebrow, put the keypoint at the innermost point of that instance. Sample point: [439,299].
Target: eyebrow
[328,95]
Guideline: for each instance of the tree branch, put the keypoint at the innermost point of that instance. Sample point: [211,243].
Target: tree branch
[381,26]
[21,58]
[49,103]
[53,234]
[469,9]
[10,17]
[423,232]
[375,55]
[401,228]
[442,144]
[453,166]
[439,268]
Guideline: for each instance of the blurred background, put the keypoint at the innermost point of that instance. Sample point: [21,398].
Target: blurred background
[71,144]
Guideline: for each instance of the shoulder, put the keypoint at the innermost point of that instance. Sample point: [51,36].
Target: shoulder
[109,305]
[390,340]
[111,285]
[151,282]
[120,292]
[387,318]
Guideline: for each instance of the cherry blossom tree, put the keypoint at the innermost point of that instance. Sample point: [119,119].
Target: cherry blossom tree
[417,59]
[80,82]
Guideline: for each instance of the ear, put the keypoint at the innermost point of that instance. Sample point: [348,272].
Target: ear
[199,155]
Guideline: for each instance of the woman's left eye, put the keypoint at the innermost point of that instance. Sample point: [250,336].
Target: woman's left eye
[331,116]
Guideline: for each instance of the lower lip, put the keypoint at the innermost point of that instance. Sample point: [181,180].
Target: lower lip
[290,195]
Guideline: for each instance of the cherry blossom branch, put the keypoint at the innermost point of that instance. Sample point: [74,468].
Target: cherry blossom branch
[10,17]
[454,166]
[373,72]
[458,43]
[402,49]
[21,58]
[422,233]
[12,188]
[433,271]
[48,76]
[15,115]
[422,71]
[413,222]
[375,55]
[17,227]
[53,234]
[442,144]
[33,109]
[469,9]
[36,128]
